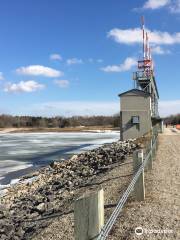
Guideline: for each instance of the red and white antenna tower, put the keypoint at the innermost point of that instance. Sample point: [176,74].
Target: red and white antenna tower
[143,32]
[144,76]
[146,63]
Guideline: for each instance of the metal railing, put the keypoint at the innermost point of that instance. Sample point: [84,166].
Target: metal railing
[108,226]
[141,75]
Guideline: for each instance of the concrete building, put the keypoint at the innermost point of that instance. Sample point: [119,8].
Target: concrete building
[139,106]
[135,113]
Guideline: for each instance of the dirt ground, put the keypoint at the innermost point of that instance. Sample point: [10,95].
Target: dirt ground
[158,216]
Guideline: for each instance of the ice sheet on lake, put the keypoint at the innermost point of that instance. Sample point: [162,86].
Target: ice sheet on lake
[95,144]
[8,166]
[11,166]
[17,149]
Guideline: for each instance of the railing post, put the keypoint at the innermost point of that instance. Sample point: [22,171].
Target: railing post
[89,216]
[139,188]
[154,148]
[149,162]
[156,143]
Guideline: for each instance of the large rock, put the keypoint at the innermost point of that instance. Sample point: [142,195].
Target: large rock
[41,207]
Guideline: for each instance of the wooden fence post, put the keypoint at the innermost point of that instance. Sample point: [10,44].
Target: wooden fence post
[89,216]
[139,188]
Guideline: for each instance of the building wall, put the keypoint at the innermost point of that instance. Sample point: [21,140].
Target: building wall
[131,102]
[135,105]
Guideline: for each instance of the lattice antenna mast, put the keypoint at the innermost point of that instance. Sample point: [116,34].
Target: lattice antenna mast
[145,64]
[143,35]
[144,76]
[147,47]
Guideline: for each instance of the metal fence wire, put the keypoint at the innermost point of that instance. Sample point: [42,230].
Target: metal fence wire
[108,226]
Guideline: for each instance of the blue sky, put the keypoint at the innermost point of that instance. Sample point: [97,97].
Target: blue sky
[74,57]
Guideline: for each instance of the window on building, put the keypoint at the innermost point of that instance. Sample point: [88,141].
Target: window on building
[135,119]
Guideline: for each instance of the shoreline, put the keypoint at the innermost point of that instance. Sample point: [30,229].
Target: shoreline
[55,188]
[35,163]
[39,160]
[68,129]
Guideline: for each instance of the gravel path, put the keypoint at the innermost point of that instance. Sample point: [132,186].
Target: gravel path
[113,183]
[159,214]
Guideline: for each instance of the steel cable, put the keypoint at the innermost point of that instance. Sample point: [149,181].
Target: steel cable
[108,226]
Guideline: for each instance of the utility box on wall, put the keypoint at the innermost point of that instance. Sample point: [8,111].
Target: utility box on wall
[135,114]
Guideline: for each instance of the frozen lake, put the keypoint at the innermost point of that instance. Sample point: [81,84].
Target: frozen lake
[23,152]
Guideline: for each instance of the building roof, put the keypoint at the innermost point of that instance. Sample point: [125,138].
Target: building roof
[136,91]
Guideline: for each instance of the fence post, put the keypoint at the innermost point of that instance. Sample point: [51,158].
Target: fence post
[89,216]
[154,147]
[157,143]
[162,126]
[149,162]
[139,188]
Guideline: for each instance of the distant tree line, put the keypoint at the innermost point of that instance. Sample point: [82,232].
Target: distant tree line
[57,122]
[172,119]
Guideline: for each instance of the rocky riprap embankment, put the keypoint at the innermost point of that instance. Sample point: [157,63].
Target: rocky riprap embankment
[54,189]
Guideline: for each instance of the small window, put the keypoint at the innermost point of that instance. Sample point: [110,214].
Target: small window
[135,119]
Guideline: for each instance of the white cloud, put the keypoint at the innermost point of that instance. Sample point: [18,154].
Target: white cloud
[55,56]
[132,36]
[125,66]
[23,86]
[62,83]
[175,6]
[71,108]
[72,61]
[172,5]
[39,70]
[160,51]
[155,4]
[169,107]
[1,76]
